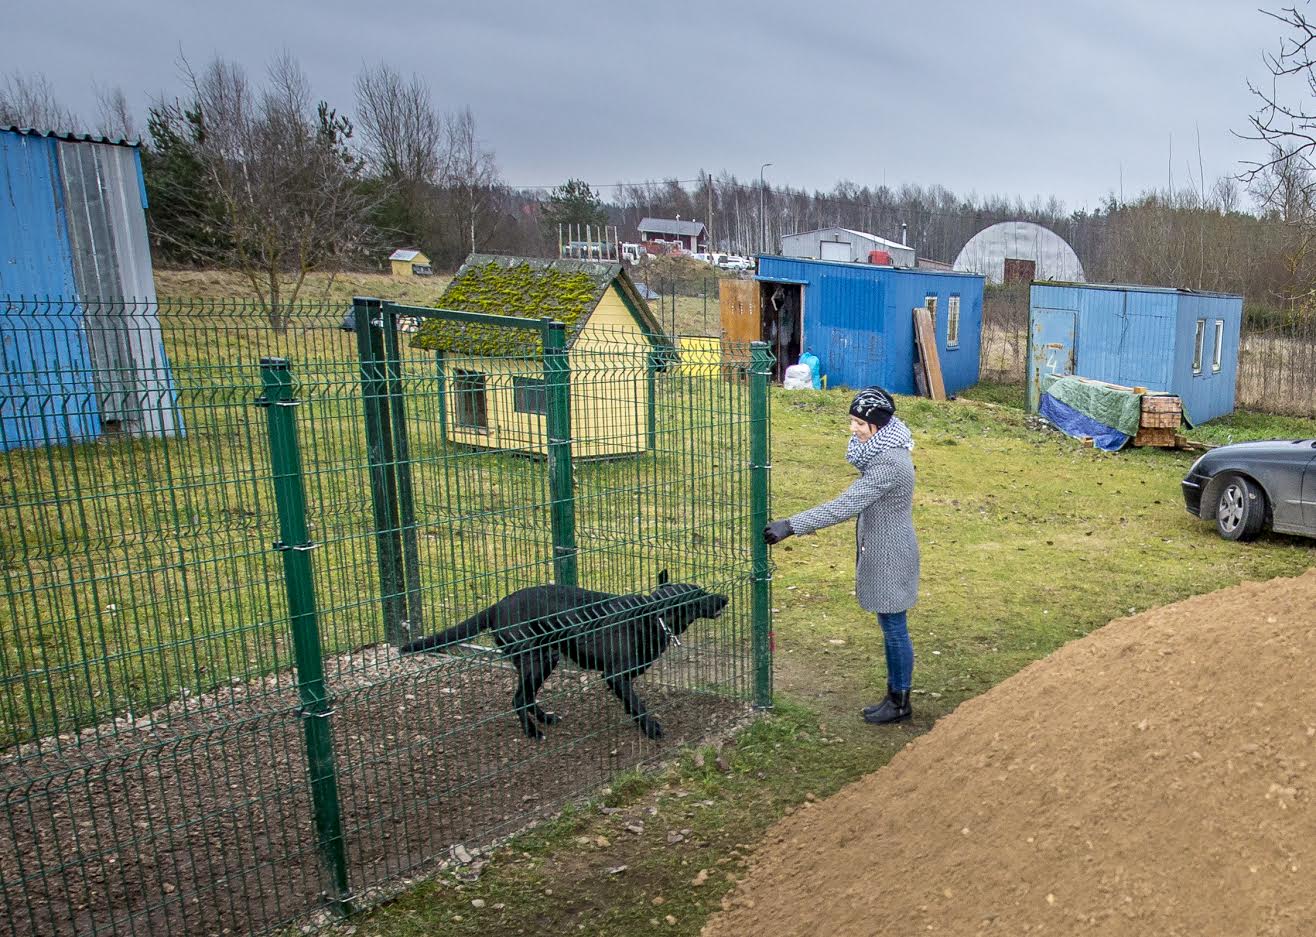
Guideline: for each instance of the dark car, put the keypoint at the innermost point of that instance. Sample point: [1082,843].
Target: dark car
[1248,486]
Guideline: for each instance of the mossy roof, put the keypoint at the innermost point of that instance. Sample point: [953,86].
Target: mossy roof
[567,291]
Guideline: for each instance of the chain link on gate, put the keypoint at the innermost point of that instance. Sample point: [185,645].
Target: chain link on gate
[200,733]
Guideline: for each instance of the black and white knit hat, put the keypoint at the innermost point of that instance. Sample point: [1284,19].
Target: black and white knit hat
[873,405]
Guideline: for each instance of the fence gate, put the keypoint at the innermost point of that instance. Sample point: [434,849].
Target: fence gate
[205,722]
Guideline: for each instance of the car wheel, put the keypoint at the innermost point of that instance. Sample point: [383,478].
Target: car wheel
[1240,511]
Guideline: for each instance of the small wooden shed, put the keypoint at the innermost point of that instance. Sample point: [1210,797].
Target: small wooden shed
[410,263]
[494,378]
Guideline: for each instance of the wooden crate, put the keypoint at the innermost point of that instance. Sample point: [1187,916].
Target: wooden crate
[1161,417]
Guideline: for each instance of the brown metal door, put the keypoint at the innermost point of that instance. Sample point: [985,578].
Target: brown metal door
[742,319]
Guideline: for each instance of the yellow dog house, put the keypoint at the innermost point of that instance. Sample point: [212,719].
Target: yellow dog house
[494,377]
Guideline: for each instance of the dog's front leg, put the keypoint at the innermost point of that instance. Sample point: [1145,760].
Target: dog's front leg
[620,684]
[533,671]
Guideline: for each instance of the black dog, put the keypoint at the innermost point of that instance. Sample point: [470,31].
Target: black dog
[620,635]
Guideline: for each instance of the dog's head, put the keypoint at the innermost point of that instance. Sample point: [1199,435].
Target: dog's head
[682,603]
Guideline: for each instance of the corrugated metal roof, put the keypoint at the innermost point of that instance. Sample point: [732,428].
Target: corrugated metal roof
[401,254]
[1134,288]
[886,242]
[69,137]
[671,226]
[917,271]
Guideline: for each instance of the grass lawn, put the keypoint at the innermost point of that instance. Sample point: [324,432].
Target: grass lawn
[1029,540]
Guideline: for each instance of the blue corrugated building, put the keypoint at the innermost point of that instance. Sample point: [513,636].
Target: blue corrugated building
[859,319]
[80,342]
[1177,341]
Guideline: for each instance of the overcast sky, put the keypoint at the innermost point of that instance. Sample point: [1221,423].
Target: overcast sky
[1015,97]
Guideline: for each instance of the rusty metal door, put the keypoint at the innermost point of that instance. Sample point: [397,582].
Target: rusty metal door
[1051,343]
[742,319]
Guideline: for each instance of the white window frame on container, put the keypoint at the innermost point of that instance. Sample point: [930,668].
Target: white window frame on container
[930,303]
[1218,355]
[1199,340]
[953,321]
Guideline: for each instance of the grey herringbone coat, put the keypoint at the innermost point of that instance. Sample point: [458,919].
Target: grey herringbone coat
[886,561]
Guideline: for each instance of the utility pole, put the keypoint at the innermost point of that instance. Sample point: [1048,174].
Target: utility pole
[763,218]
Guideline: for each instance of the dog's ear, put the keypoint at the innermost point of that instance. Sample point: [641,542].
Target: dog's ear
[663,578]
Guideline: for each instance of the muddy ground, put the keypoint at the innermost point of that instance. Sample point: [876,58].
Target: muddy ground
[198,819]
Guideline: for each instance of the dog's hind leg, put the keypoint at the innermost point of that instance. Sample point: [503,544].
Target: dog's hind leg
[534,669]
[620,684]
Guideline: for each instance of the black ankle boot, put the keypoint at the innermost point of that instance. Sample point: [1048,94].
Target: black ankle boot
[876,706]
[895,708]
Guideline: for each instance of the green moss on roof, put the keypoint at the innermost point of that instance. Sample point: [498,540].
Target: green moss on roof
[563,290]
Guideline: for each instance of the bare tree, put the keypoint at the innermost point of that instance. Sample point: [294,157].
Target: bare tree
[280,180]
[471,179]
[115,116]
[29,101]
[401,133]
[1285,118]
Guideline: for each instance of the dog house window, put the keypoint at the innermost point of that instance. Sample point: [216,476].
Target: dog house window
[529,395]
[953,322]
[931,303]
[472,410]
[1197,346]
[1217,356]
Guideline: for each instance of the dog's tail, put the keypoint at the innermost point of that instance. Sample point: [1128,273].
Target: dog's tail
[480,621]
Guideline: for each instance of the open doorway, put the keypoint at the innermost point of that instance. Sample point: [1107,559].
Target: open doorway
[782,307]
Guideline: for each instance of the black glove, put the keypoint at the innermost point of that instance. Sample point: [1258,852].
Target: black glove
[777,531]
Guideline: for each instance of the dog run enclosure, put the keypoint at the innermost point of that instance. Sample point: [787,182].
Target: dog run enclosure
[206,725]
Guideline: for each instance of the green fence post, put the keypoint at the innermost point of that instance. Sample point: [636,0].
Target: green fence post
[379,448]
[651,421]
[299,583]
[413,624]
[557,390]
[440,368]
[762,638]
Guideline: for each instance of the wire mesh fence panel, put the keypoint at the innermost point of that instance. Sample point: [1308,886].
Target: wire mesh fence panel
[208,721]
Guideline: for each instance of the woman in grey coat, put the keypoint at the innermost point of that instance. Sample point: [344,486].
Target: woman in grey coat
[887,560]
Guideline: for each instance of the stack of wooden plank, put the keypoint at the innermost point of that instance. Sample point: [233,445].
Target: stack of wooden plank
[1162,415]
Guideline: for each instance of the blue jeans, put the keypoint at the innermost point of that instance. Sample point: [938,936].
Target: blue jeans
[899,650]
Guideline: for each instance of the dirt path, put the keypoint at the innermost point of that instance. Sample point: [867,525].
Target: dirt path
[1155,777]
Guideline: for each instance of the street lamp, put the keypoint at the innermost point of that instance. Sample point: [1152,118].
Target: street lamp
[763,218]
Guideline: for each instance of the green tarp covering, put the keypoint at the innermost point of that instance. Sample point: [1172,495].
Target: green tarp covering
[1118,409]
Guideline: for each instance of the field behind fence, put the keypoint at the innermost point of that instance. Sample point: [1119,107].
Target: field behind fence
[203,726]
[1276,362]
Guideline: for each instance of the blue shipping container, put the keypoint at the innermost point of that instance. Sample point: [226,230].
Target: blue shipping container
[1177,341]
[859,320]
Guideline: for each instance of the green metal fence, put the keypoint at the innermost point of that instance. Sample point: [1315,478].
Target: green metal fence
[205,723]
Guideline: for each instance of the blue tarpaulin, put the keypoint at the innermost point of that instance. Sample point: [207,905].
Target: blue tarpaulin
[1072,423]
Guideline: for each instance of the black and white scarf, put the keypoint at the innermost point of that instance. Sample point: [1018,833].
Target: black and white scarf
[895,435]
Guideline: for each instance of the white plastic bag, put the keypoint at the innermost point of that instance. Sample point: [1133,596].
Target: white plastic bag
[798,377]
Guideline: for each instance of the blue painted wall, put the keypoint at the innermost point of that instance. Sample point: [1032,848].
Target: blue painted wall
[46,389]
[1208,393]
[1145,337]
[859,320]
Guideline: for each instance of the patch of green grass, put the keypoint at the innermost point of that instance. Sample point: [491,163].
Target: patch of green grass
[1005,395]
[1243,426]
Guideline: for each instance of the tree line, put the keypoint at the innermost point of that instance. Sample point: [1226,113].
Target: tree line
[264,176]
